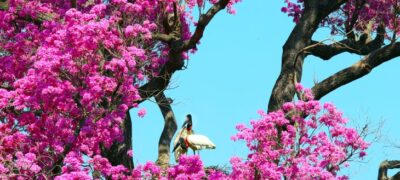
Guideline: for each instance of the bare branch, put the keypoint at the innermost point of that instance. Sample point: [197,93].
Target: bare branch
[357,70]
[360,47]
[165,38]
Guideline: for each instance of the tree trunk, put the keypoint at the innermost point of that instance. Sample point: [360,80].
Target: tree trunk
[294,50]
[168,132]
[292,61]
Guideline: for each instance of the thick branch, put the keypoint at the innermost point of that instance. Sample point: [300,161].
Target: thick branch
[385,166]
[202,24]
[161,82]
[357,70]
[169,130]
[360,47]
[165,38]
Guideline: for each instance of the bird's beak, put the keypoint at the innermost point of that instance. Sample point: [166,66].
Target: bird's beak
[184,124]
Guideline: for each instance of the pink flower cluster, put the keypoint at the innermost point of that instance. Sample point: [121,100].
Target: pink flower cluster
[293,9]
[189,167]
[373,11]
[201,3]
[302,140]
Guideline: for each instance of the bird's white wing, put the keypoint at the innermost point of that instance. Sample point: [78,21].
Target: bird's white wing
[200,142]
[177,137]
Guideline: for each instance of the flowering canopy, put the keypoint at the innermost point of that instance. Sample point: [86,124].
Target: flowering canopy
[302,148]
[70,70]
[359,15]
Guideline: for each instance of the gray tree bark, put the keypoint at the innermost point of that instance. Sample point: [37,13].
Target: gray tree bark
[385,166]
[170,127]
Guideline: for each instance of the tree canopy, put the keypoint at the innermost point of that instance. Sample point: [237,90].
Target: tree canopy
[71,70]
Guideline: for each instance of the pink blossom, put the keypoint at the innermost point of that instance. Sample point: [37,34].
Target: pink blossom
[142,113]
[130,153]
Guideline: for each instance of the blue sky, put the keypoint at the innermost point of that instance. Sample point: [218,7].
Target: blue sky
[232,75]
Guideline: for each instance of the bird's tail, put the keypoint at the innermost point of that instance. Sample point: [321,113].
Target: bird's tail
[176,146]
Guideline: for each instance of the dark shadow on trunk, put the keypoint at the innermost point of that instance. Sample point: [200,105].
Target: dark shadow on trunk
[117,154]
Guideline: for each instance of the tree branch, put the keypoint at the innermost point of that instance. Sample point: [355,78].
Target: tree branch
[161,82]
[357,70]
[165,38]
[202,24]
[73,3]
[4,4]
[360,47]
[385,166]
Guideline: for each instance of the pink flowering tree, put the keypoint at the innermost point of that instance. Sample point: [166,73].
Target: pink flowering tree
[71,70]
[360,27]
[366,28]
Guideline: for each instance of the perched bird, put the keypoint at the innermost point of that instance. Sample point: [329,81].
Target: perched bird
[198,142]
[187,139]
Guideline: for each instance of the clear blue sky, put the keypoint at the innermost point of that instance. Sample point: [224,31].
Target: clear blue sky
[232,75]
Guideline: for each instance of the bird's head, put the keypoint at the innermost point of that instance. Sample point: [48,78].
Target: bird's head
[188,121]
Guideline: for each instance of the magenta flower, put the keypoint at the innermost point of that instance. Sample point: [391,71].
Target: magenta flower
[142,113]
